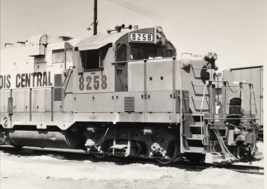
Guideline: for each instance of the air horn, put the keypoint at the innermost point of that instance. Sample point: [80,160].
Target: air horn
[119,28]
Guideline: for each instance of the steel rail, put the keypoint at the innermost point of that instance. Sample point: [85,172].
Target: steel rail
[80,155]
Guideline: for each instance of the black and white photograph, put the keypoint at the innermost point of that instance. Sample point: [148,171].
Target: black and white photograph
[143,94]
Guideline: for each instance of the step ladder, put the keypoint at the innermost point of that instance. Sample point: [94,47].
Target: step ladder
[121,149]
[196,142]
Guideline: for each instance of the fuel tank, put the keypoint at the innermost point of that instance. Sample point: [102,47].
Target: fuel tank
[50,139]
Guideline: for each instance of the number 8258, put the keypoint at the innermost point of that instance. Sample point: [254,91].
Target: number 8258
[141,37]
[90,82]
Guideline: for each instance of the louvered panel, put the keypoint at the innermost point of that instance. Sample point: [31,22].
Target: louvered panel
[57,94]
[129,104]
[58,80]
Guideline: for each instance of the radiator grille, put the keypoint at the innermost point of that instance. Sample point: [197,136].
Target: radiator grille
[129,104]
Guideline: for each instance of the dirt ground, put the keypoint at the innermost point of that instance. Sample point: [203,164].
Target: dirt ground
[55,172]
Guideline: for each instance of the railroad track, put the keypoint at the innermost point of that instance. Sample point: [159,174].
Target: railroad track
[79,155]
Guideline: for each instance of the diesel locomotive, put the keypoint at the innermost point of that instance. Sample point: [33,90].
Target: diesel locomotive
[124,93]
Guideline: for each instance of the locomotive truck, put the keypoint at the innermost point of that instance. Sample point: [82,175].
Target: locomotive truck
[124,93]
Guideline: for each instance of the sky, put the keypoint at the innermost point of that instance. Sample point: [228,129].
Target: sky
[235,29]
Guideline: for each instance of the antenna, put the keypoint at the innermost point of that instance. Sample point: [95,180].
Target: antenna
[95,17]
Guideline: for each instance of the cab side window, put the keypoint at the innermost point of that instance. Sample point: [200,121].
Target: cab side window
[58,56]
[170,53]
[121,52]
[90,59]
[93,59]
[69,55]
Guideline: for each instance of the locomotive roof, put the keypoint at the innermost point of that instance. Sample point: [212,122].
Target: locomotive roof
[60,45]
[99,40]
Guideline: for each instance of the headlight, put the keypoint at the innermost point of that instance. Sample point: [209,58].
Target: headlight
[185,64]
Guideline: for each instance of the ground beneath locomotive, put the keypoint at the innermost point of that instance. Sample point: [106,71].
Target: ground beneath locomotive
[54,171]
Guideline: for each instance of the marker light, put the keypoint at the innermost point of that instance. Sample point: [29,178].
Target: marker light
[208,56]
[214,56]
[159,35]
[159,29]
[161,39]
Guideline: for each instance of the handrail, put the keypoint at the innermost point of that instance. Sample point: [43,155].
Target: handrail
[119,77]
[231,118]
[254,100]
[181,108]
[25,88]
[251,91]
[70,69]
[202,101]
[141,60]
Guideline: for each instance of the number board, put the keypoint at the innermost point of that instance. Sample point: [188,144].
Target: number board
[141,37]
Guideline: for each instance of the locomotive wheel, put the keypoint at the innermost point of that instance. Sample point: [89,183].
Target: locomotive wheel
[195,158]
[100,156]
[2,136]
[174,152]
[165,161]
[246,153]
[242,153]
[17,147]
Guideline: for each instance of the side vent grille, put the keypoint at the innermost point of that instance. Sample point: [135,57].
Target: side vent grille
[129,104]
[58,80]
[58,89]
[57,94]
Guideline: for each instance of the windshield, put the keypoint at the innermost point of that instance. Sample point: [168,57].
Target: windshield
[149,52]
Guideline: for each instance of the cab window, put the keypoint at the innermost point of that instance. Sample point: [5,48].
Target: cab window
[121,52]
[58,55]
[155,54]
[93,59]
[90,59]
[138,53]
[69,55]
[170,53]
[134,53]
[142,53]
